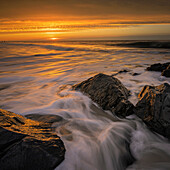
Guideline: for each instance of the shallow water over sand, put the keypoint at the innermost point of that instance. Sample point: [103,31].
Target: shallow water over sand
[35,77]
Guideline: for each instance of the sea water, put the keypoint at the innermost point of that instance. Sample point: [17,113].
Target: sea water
[36,77]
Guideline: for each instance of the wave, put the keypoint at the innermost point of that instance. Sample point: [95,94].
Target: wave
[50,47]
[164,47]
[144,44]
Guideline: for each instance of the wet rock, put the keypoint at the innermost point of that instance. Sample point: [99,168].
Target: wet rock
[45,118]
[154,108]
[121,71]
[166,72]
[27,144]
[158,67]
[135,74]
[108,92]
[164,68]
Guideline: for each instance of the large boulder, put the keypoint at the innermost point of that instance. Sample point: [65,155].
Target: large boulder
[27,144]
[154,108]
[108,92]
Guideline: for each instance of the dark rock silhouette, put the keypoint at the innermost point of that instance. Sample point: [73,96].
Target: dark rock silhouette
[158,67]
[108,92]
[121,71]
[27,144]
[164,68]
[135,74]
[154,108]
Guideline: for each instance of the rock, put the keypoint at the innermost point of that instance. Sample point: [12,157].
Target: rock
[121,71]
[164,68]
[158,67]
[135,74]
[45,118]
[166,72]
[27,144]
[108,92]
[154,108]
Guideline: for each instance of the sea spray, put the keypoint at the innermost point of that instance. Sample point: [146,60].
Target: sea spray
[151,150]
[96,139]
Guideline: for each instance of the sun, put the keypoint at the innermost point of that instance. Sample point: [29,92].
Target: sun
[54,39]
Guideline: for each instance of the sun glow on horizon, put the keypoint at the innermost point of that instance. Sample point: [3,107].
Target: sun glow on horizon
[53,39]
[83,30]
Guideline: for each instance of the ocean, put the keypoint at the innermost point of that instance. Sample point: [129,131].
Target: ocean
[36,77]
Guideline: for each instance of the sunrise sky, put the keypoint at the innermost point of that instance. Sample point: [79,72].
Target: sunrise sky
[84,20]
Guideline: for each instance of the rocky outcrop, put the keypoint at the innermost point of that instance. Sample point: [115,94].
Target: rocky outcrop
[108,92]
[158,67]
[154,108]
[27,144]
[166,72]
[164,68]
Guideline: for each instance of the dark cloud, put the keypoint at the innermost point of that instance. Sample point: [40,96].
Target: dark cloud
[84,8]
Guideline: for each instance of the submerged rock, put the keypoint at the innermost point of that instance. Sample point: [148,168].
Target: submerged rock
[135,74]
[154,108]
[108,92]
[121,71]
[27,144]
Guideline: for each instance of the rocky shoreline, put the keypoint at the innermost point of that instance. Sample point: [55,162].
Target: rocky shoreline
[153,106]
[27,144]
[31,144]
